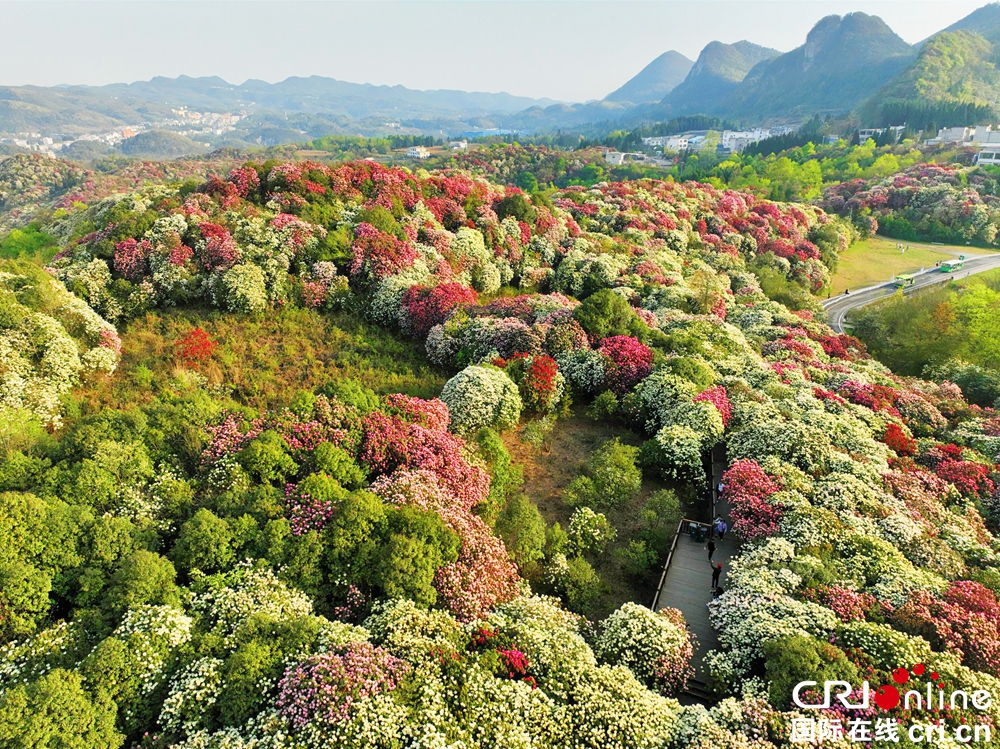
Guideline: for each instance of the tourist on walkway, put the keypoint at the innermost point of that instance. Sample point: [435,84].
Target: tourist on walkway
[716,573]
[722,528]
[711,548]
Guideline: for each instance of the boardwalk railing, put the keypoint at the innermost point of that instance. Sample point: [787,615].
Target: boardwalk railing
[686,526]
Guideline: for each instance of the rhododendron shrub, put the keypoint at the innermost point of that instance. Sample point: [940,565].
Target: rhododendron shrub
[196,346]
[483,575]
[718,397]
[422,308]
[538,378]
[628,362]
[482,396]
[324,689]
[656,647]
[747,488]
[964,620]
[900,442]
[378,254]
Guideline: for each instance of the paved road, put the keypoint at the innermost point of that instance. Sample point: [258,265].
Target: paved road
[838,307]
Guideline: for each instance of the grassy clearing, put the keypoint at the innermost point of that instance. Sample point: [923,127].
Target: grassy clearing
[878,259]
[548,472]
[262,362]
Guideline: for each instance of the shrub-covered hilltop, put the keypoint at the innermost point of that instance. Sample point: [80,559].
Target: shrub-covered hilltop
[359,569]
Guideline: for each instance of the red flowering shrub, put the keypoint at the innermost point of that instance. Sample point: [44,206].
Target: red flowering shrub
[971,479]
[539,383]
[899,441]
[627,362]
[426,307]
[747,488]
[196,346]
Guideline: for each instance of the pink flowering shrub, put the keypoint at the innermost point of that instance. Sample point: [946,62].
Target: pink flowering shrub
[131,258]
[325,689]
[849,605]
[627,362]
[389,443]
[377,254]
[747,488]
[718,397]
[483,575]
[220,250]
[426,307]
[964,621]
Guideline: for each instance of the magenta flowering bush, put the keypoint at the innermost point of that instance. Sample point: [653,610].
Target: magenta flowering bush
[628,362]
[325,689]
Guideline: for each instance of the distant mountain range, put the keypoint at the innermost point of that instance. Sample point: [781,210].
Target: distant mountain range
[82,109]
[851,67]
[713,79]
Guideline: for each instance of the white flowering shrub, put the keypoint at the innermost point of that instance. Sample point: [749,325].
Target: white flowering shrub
[656,647]
[482,396]
[247,592]
[589,531]
[243,288]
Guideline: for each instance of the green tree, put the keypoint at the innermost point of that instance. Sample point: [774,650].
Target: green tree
[339,465]
[266,457]
[611,476]
[606,313]
[56,712]
[143,577]
[205,543]
[793,659]
[522,529]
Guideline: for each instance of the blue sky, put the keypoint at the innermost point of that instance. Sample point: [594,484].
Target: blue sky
[566,49]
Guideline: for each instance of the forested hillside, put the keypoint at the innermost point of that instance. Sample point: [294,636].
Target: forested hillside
[332,545]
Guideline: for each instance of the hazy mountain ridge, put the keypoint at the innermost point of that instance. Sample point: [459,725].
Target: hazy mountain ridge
[81,109]
[853,64]
[654,81]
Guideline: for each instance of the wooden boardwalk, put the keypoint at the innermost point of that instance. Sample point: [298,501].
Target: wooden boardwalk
[687,580]
[688,587]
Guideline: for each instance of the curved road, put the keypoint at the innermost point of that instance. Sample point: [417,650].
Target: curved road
[838,307]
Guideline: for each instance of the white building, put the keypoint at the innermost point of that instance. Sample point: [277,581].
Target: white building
[962,135]
[617,158]
[985,135]
[667,142]
[737,140]
[418,152]
[458,145]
